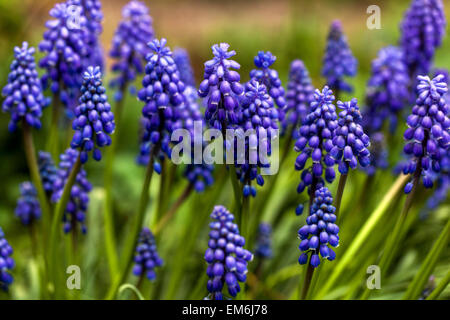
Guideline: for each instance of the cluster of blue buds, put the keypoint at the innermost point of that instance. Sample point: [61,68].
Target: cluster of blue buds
[65,46]
[428,130]
[79,195]
[350,143]
[6,262]
[338,61]
[269,77]
[129,46]
[315,141]
[264,241]
[162,93]
[221,88]
[320,232]
[28,209]
[378,154]
[423,28]
[24,98]
[146,258]
[259,115]
[94,120]
[300,94]
[183,62]
[47,170]
[227,259]
[387,89]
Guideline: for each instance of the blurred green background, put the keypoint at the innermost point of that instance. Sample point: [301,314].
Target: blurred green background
[289,29]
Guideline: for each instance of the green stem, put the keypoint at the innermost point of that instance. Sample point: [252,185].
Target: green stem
[162,191]
[363,234]
[440,287]
[237,190]
[53,140]
[307,281]
[339,193]
[245,217]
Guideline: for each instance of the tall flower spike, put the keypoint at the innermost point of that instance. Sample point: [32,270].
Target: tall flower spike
[94,120]
[264,241]
[320,233]
[221,87]
[28,209]
[47,170]
[338,61]
[378,154]
[129,46]
[65,49]
[79,195]
[315,141]
[227,259]
[387,90]
[269,77]
[427,136]
[24,98]
[6,263]
[422,30]
[350,143]
[300,94]
[146,258]
[162,94]
[183,62]
[259,115]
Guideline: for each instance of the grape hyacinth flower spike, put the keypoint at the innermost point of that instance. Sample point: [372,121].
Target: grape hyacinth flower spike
[221,88]
[48,171]
[320,233]
[6,262]
[427,136]
[129,46]
[227,259]
[338,61]
[28,208]
[146,258]
[264,241]
[300,94]
[24,98]
[378,154]
[94,120]
[269,77]
[183,62]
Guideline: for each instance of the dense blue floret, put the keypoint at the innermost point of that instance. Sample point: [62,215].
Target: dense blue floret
[6,263]
[47,170]
[183,62]
[146,258]
[264,241]
[28,209]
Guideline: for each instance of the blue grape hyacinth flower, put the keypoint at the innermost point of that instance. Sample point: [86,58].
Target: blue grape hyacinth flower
[422,31]
[24,98]
[75,212]
[350,143]
[183,62]
[129,46]
[227,259]
[269,77]
[221,88]
[315,142]
[6,262]
[338,61]
[47,170]
[28,208]
[264,241]
[94,120]
[427,136]
[146,258]
[300,94]
[378,154]
[320,234]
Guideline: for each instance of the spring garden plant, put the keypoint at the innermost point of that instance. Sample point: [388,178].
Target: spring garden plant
[341,146]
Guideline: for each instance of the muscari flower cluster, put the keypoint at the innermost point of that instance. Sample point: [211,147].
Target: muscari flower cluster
[221,88]
[94,120]
[378,154]
[423,28]
[427,136]
[264,241]
[24,98]
[350,143]
[129,46]
[47,170]
[162,94]
[259,115]
[183,62]
[227,259]
[387,90]
[315,141]
[320,232]
[269,77]
[65,48]
[338,61]
[28,209]
[299,95]
[79,195]
[146,258]
[6,262]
